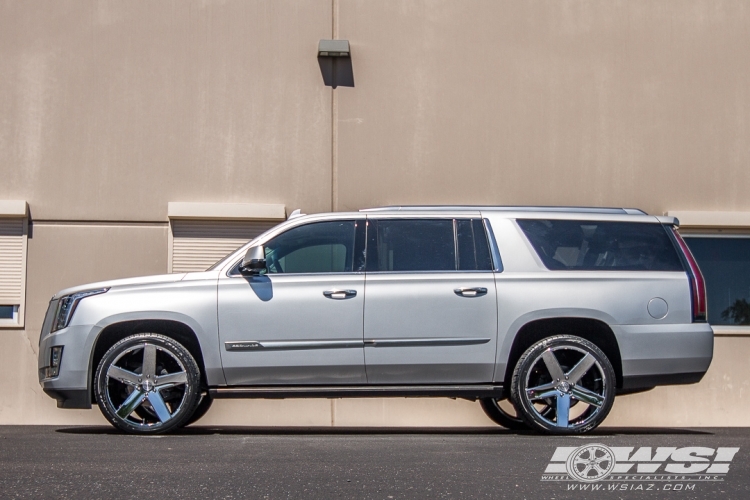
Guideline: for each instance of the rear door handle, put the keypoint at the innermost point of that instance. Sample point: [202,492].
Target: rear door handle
[340,294]
[471,292]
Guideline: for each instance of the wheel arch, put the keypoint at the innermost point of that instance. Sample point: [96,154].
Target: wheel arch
[595,331]
[114,332]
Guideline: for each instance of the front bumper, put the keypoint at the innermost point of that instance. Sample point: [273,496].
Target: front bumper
[72,399]
[71,387]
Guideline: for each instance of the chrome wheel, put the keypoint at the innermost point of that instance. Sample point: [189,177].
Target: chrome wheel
[148,384]
[563,385]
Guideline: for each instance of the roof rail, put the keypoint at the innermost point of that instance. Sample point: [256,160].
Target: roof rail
[507,208]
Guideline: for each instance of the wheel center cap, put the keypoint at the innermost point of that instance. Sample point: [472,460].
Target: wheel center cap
[563,387]
[147,386]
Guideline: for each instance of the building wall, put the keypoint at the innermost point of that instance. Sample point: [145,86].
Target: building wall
[109,110]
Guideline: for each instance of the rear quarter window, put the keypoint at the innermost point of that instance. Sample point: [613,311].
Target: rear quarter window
[601,246]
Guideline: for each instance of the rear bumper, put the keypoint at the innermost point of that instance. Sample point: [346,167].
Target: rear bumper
[655,355]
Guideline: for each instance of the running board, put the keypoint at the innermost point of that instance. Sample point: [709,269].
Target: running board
[359,391]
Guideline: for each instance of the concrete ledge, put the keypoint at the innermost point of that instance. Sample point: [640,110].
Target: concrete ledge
[237,211]
[13,208]
[711,219]
[731,331]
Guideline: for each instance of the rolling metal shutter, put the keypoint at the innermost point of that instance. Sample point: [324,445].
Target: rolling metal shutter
[198,244]
[12,261]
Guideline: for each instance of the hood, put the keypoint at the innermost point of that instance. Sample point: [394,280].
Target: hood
[141,280]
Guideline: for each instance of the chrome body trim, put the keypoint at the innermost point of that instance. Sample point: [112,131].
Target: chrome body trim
[424,342]
[252,345]
[339,294]
[470,292]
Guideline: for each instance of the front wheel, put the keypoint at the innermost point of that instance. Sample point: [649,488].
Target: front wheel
[563,385]
[148,384]
[201,409]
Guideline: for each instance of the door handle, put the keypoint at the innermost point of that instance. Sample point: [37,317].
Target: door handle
[340,294]
[471,292]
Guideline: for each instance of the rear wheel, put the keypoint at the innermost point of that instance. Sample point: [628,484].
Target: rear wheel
[502,412]
[148,384]
[563,385]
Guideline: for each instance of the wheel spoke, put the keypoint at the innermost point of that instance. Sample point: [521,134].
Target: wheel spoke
[157,403]
[123,375]
[149,361]
[553,365]
[542,388]
[131,403]
[563,409]
[580,369]
[170,380]
[587,396]
[543,395]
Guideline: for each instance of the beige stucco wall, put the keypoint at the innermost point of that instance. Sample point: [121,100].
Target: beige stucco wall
[636,103]
[109,110]
[112,109]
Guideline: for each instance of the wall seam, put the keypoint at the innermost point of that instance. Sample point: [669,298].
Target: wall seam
[334,113]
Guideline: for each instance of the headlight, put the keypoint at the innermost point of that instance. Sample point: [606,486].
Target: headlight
[66,306]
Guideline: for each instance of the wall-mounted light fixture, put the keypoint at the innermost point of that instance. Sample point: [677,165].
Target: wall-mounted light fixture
[333,48]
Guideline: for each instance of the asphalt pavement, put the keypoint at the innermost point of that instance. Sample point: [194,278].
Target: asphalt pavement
[378,463]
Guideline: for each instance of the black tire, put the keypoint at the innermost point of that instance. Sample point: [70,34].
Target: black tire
[501,416]
[201,409]
[509,419]
[158,399]
[591,387]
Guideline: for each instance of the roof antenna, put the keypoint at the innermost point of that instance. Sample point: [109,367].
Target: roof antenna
[296,213]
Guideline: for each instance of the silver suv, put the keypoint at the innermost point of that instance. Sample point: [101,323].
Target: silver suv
[542,314]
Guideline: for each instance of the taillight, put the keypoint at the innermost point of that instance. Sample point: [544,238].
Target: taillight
[697,284]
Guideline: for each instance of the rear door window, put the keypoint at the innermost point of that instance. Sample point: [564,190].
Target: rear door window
[410,245]
[402,245]
[473,249]
[605,246]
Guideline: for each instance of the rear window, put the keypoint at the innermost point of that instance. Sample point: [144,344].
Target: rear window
[603,246]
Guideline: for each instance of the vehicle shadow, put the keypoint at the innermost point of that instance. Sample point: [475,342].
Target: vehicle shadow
[199,430]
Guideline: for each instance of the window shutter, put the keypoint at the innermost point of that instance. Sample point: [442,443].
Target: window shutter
[198,244]
[12,261]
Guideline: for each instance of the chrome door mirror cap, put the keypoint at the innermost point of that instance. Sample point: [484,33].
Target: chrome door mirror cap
[254,261]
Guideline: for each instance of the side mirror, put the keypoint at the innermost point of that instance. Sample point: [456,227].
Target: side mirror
[254,262]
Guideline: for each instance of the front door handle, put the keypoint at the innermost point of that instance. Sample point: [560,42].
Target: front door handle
[471,292]
[340,294]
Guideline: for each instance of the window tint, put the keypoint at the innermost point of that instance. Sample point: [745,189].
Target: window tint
[320,247]
[473,249]
[606,246]
[725,265]
[410,245]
